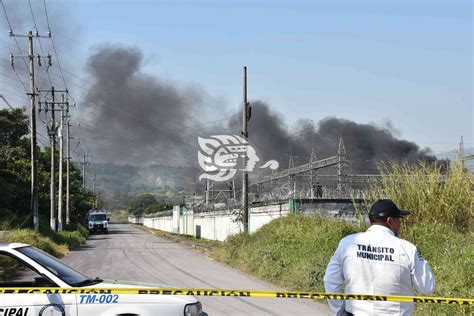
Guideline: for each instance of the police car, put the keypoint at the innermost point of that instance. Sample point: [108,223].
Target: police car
[37,269]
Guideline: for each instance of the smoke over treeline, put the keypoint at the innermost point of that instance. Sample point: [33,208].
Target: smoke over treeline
[138,118]
[365,144]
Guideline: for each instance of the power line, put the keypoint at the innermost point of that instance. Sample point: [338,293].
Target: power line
[14,38]
[39,41]
[54,46]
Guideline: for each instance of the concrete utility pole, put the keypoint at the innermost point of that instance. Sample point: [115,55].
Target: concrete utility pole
[32,94]
[34,163]
[68,151]
[64,112]
[52,131]
[245,176]
[84,163]
[52,134]
[93,190]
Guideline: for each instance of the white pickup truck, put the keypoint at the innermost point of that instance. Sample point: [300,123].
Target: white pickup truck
[36,269]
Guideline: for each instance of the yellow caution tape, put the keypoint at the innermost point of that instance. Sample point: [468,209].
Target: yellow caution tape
[239,293]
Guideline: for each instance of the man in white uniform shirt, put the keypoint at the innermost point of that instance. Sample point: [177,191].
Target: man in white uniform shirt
[378,262]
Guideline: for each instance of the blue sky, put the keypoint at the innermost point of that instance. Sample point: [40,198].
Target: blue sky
[407,62]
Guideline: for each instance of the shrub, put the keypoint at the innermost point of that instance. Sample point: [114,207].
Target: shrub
[82,230]
[71,238]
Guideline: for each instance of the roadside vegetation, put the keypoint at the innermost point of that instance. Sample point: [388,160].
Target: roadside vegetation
[293,251]
[56,244]
[118,216]
[15,173]
[147,204]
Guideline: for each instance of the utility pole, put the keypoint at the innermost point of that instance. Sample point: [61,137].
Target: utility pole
[52,131]
[34,157]
[93,190]
[32,94]
[64,112]
[52,134]
[84,163]
[68,151]
[245,176]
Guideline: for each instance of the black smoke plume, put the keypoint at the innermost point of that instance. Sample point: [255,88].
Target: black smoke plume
[138,118]
[365,144]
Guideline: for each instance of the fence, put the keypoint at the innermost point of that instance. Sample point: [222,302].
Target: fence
[220,224]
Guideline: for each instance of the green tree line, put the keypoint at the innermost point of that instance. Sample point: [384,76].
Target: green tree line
[147,204]
[15,177]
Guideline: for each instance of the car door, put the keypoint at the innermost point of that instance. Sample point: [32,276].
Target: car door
[15,273]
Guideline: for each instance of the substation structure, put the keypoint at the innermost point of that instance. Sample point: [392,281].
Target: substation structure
[327,178]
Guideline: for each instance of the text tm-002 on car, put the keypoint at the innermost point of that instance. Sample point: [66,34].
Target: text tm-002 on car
[34,268]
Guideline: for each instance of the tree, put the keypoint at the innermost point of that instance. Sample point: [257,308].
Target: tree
[158,207]
[138,204]
[15,177]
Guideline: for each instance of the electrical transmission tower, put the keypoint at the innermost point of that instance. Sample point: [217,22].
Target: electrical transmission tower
[341,165]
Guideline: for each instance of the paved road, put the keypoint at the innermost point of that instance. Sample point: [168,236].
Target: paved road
[129,253]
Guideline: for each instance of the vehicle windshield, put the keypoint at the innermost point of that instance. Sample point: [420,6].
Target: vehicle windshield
[97,217]
[59,269]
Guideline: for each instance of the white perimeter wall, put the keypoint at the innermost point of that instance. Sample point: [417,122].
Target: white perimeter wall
[135,219]
[214,225]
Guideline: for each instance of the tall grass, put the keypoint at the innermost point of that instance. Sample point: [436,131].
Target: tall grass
[432,195]
[440,224]
[9,267]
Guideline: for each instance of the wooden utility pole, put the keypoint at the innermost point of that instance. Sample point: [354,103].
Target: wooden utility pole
[245,176]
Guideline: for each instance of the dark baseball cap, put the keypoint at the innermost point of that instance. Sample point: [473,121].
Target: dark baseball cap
[386,208]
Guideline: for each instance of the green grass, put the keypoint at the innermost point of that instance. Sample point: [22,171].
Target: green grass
[291,251]
[118,216]
[451,257]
